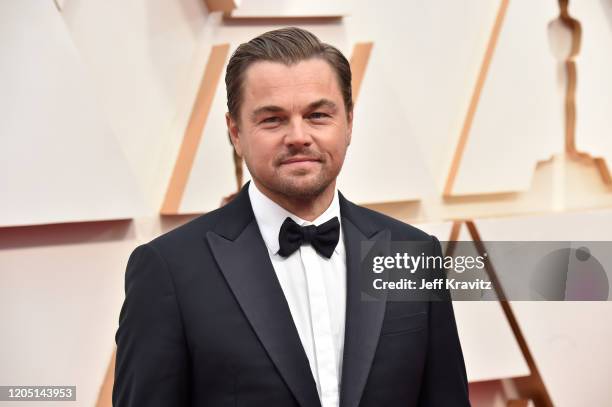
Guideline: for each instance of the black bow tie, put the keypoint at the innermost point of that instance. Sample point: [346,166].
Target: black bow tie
[323,238]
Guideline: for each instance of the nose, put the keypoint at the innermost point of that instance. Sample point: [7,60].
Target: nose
[298,134]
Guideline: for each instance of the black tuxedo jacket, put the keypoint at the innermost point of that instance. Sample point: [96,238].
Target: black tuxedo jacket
[205,323]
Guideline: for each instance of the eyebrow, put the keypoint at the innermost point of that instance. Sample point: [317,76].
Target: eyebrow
[265,109]
[323,103]
[277,109]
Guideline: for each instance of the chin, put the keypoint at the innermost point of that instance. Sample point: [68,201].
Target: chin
[294,186]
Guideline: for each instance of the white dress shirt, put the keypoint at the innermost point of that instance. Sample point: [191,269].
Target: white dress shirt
[315,289]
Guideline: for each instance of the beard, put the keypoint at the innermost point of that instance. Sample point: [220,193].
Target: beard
[300,183]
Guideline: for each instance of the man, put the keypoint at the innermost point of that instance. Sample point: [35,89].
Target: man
[258,303]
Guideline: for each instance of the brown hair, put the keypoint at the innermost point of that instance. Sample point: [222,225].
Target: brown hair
[288,46]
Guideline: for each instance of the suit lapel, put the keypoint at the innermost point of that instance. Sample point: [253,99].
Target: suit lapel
[363,318]
[241,254]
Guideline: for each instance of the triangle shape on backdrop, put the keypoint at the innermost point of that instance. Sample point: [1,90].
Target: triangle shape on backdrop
[60,159]
[516,114]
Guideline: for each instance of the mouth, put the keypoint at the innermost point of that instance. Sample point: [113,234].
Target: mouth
[299,160]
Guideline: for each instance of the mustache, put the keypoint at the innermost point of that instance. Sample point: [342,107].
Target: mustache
[304,153]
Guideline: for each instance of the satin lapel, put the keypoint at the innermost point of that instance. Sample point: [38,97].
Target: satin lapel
[363,318]
[248,270]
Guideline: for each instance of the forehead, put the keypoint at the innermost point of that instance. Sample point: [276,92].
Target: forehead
[276,83]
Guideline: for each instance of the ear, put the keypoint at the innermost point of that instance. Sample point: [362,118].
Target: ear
[349,128]
[232,131]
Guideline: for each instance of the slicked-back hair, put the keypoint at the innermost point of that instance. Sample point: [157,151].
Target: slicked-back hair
[287,46]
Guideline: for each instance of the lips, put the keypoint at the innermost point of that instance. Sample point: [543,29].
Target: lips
[299,160]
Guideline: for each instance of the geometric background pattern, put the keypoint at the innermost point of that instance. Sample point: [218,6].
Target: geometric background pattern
[472,120]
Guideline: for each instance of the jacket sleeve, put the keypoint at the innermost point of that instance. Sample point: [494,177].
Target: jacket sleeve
[445,381]
[152,364]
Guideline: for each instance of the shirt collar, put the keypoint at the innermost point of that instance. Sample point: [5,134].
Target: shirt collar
[270,216]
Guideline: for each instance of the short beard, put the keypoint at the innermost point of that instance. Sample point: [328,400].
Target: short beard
[293,187]
[295,190]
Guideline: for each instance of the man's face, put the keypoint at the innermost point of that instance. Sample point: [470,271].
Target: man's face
[293,130]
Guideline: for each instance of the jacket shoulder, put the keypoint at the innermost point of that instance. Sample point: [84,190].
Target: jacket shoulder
[186,234]
[399,230]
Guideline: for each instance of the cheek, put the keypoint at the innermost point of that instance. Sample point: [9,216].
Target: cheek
[340,155]
[337,147]
[261,152]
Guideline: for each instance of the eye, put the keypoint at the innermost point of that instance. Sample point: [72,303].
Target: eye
[272,119]
[318,115]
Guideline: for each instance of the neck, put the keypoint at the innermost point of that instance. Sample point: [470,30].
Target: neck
[306,208]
